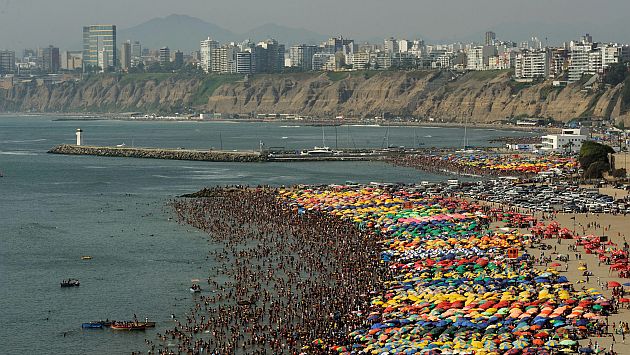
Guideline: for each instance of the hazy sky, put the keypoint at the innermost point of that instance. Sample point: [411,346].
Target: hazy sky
[32,23]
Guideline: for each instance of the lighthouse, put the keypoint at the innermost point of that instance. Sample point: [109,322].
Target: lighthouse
[79,137]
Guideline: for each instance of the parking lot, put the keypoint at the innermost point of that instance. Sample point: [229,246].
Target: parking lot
[561,197]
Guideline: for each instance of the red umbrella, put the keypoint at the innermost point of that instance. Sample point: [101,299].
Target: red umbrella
[556,264]
[624,300]
[614,284]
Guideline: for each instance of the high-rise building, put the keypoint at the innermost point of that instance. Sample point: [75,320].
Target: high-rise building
[206,48]
[337,44]
[136,53]
[178,59]
[269,57]
[165,55]
[7,61]
[404,45]
[490,38]
[50,59]
[532,64]
[390,45]
[125,55]
[99,42]
[221,59]
[302,56]
[245,62]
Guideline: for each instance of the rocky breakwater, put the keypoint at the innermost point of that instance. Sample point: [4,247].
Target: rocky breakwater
[158,153]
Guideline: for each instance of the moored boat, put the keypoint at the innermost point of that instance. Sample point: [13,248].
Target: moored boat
[147,324]
[92,325]
[128,326]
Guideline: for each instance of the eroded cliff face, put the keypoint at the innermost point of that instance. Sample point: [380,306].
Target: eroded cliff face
[102,94]
[478,96]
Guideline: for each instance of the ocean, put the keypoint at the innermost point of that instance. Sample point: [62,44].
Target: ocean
[55,209]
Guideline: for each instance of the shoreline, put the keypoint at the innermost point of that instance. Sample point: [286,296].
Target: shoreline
[76,116]
[402,258]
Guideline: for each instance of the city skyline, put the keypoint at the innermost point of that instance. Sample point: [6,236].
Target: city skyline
[56,23]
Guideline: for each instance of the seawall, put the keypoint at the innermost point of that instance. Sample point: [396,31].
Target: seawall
[157,153]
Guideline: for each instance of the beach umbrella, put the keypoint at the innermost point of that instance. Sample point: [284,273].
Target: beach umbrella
[627,284]
[519,344]
[614,284]
[505,346]
[586,350]
[552,343]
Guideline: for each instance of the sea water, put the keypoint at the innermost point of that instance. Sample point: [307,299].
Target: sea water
[54,209]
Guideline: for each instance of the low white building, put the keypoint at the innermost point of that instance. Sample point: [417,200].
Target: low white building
[570,140]
[521,147]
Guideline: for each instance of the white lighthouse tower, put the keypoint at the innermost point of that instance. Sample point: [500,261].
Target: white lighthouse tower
[79,137]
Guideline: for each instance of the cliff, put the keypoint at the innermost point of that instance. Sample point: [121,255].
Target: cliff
[477,96]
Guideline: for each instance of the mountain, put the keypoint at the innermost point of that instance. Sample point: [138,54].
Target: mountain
[175,31]
[286,35]
[184,32]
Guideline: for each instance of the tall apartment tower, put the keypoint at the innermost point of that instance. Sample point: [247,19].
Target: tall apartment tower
[206,48]
[165,55]
[7,61]
[50,59]
[99,41]
[490,38]
[125,55]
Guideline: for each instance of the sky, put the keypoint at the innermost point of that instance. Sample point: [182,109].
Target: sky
[33,23]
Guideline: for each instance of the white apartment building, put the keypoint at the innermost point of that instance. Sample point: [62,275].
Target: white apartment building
[531,64]
[570,140]
[359,60]
[475,58]
[206,48]
[579,60]
[404,46]
[390,45]
[323,61]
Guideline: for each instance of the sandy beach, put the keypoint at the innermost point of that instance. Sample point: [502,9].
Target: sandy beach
[616,228]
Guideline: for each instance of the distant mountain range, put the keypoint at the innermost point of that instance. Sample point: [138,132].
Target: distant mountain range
[184,33]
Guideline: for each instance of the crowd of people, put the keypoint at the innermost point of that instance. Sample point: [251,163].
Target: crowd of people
[321,270]
[280,280]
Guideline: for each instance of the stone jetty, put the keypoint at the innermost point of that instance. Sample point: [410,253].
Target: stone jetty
[158,153]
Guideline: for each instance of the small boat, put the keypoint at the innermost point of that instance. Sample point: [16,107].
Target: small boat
[92,325]
[86,257]
[128,326]
[195,288]
[70,283]
[104,323]
[318,151]
[147,324]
